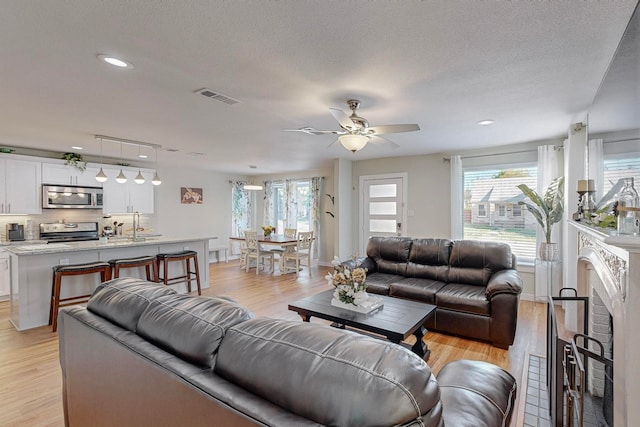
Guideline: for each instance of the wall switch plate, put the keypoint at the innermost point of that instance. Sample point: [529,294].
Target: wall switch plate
[185,248]
[64,261]
[411,212]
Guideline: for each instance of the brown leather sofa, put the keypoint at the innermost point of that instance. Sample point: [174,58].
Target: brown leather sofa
[474,284]
[141,355]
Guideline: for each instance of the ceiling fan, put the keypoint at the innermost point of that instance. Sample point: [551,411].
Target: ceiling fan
[355,131]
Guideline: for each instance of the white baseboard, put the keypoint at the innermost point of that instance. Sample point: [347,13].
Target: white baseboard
[528,297]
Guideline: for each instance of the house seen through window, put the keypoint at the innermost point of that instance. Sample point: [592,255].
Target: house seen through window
[491,210]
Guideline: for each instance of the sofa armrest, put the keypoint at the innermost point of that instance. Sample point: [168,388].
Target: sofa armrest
[504,282]
[364,262]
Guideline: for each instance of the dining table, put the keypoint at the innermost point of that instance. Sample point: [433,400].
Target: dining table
[287,243]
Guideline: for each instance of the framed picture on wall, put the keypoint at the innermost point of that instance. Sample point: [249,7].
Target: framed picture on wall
[190,195]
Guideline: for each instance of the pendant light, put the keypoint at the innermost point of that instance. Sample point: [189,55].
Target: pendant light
[252,187]
[156,179]
[121,178]
[139,179]
[101,176]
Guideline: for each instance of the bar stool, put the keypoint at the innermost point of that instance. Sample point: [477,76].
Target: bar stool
[186,257]
[59,271]
[148,262]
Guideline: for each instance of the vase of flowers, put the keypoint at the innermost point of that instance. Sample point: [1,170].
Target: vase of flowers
[350,284]
[267,230]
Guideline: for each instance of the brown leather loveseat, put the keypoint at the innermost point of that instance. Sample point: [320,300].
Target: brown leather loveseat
[474,284]
[141,355]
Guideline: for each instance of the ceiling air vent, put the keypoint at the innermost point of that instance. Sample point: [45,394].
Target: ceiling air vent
[217,96]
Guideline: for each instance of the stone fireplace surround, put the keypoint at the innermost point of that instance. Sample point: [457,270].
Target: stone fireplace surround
[616,262]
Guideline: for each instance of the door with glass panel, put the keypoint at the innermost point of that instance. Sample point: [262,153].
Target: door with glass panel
[382,208]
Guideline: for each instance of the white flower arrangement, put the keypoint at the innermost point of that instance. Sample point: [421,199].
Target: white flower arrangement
[349,283]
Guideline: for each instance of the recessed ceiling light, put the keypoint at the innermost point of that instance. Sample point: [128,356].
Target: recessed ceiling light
[117,62]
[75,147]
[485,122]
[142,156]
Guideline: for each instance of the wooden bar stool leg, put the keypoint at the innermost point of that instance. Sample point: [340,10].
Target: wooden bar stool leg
[56,302]
[52,299]
[188,274]
[195,263]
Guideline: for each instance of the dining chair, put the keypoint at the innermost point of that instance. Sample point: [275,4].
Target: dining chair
[289,233]
[255,251]
[243,251]
[302,250]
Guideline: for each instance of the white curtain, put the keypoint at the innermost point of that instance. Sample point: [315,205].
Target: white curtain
[457,202]
[316,191]
[596,167]
[548,170]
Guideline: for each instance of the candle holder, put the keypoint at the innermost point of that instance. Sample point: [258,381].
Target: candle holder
[586,203]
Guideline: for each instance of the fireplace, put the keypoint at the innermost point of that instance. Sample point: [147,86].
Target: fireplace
[607,272]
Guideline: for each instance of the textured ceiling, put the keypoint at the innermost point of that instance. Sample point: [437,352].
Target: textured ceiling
[533,67]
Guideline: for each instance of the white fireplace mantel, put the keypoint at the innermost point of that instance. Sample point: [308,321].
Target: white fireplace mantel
[616,261]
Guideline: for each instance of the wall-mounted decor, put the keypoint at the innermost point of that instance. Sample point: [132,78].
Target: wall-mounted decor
[190,196]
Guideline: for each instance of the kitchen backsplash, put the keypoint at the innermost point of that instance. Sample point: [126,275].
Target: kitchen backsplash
[79,215]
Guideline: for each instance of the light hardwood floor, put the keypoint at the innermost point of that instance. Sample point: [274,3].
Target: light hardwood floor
[31,384]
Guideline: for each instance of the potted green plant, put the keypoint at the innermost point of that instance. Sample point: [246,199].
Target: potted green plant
[75,160]
[547,210]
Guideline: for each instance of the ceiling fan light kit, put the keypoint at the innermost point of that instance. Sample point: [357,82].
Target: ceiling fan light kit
[353,143]
[355,131]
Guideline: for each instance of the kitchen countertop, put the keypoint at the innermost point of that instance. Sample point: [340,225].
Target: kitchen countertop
[4,243]
[35,247]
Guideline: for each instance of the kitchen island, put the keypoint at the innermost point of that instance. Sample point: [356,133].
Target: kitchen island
[31,270]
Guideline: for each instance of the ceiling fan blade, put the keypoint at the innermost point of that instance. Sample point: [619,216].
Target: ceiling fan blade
[312,131]
[381,130]
[343,119]
[376,139]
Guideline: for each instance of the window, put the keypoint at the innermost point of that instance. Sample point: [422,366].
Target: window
[516,210]
[619,166]
[240,209]
[292,206]
[490,193]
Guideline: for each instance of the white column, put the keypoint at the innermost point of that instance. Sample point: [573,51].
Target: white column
[574,161]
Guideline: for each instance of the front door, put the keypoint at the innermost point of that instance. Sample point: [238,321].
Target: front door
[383,207]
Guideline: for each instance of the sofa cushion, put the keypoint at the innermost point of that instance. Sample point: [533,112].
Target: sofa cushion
[320,373]
[389,253]
[429,259]
[473,262]
[190,327]
[380,283]
[123,300]
[476,393]
[416,289]
[461,297]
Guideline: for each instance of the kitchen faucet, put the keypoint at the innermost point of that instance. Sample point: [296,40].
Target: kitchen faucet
[136,224]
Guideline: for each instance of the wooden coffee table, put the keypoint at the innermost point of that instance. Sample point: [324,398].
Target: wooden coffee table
[396,320]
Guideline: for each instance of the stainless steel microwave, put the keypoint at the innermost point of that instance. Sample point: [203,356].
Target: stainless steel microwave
[71,197]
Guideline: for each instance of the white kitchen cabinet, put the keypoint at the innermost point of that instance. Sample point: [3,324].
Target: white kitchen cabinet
[5,275]
[61,174]
[20,190]
[128,197]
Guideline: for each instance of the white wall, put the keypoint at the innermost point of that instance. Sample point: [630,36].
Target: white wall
[345,245]
[212,218]
[428,192]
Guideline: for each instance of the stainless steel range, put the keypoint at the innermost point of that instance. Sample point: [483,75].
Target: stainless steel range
[69,232]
